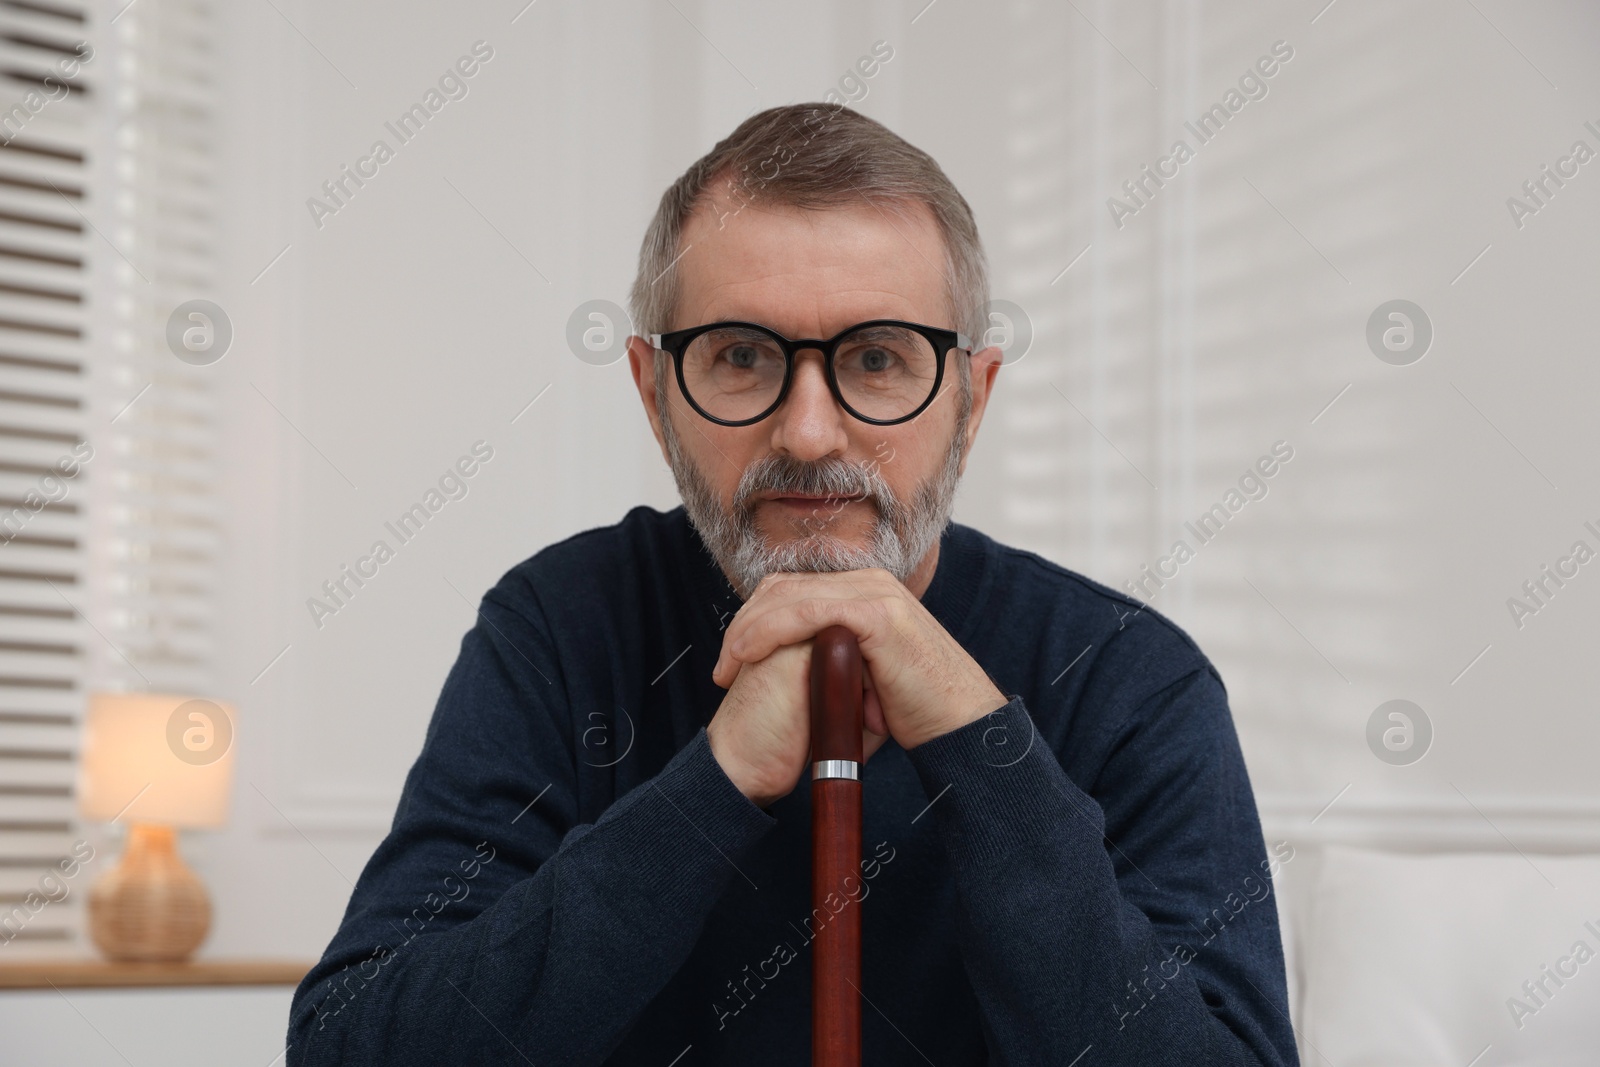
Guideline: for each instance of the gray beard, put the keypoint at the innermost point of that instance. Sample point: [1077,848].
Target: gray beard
[902,533]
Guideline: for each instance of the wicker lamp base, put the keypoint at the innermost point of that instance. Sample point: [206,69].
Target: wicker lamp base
[151,907]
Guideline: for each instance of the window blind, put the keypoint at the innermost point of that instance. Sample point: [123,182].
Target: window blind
[44,296]
[106,226]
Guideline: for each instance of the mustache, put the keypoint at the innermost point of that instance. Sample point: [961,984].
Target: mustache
[785,474]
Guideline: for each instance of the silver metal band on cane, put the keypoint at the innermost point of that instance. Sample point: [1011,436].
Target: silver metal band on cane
[836,768]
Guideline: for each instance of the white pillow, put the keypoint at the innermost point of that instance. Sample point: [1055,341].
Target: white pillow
[1291,885]
[1419,961]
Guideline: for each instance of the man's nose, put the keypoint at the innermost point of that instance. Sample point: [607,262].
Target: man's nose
[809,424]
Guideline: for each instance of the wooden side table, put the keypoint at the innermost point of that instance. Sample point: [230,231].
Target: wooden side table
[102,974]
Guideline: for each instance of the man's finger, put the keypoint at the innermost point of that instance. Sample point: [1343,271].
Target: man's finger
[872,714]
[797,620]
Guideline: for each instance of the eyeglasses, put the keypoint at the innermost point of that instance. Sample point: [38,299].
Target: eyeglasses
[882,371]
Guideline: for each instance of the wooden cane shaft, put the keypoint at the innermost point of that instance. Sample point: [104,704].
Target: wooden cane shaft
[836,849]
[836,917]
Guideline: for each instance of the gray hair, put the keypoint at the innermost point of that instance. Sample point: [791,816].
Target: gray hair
[814,156]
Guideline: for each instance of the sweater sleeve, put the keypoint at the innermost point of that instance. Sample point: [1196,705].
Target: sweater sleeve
[1136,918]
[490,924]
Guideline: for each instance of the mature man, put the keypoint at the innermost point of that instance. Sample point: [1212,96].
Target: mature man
[601,855]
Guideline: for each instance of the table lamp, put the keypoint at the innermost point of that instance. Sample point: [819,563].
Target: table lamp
[157,762]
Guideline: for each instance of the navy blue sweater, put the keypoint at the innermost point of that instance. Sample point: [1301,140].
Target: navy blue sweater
[572,879]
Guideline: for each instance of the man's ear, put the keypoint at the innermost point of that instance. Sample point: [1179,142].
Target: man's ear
[641,362]
[985,365]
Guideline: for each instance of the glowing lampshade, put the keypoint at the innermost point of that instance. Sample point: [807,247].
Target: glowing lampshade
[156,758]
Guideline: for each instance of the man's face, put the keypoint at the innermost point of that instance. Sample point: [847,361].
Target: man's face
[811,487]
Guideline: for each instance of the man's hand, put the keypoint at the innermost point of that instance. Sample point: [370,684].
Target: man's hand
[922,683]
[761,733]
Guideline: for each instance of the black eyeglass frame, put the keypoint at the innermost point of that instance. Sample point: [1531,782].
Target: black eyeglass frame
[677,342]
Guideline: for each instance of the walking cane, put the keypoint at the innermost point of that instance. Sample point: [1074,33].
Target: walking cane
[836,847]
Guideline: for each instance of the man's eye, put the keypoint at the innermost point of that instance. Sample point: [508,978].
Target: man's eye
[743,356]
[873,360]
[876,359]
